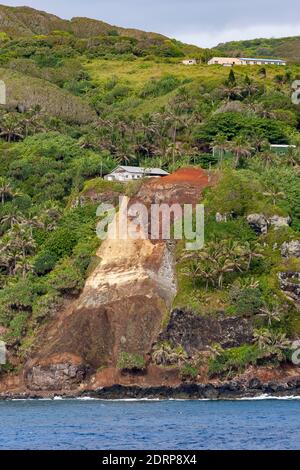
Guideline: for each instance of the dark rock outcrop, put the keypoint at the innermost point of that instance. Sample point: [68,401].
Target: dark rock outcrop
[55,376]
[212,391]
[195,333]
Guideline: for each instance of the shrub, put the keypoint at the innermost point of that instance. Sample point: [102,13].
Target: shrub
[61,242]
[66,278]
[235,359]
[17,327]
[160,87]
[131,362]
[247,301]
[189,371]
[45,262]
[235,124]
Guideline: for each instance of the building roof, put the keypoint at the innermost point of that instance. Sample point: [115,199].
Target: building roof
[284,146]
[139,170]
[265,60]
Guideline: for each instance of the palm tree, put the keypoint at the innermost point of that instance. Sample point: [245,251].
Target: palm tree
[31,121]
[259,143]
[249,87]
[268,158]
[252,251]
[11,128]
[274,193]
[23,266]
[164,354]
[262,338]
[217,259]
[6,191]
[14,217]
[221,144]
[273,314]
[240,148]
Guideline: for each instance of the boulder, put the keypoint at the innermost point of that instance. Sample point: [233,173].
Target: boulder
[291,249]
[278,221]
[258,222]
[290,284]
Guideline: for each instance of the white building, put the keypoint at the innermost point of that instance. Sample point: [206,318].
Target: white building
[230,61]
[130,173]
[189,62]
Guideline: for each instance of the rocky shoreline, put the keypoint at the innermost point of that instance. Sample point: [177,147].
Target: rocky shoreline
[187,391]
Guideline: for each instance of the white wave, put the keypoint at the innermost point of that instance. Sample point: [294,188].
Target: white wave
[269,397]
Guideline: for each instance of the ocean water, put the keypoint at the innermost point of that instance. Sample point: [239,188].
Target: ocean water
[170,425]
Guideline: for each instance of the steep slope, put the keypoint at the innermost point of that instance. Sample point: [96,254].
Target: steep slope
[23,93]
[123,304]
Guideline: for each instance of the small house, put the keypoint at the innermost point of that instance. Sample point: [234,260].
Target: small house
[132,173]
[189,62]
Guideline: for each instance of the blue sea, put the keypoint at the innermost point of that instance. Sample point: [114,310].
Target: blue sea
[170,425]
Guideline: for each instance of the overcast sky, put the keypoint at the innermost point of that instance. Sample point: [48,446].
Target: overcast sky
[201,22]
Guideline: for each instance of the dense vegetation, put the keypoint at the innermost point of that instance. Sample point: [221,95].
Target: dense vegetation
[78,106]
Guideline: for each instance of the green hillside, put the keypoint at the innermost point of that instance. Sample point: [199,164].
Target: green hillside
[83,97]
[284,48]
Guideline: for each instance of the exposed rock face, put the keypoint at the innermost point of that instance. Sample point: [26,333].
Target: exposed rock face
[290,284]
[195,333]
[258,222]
[68,376]
[123,304]
[64,371]
[121,309]
[94,197]
[291,249]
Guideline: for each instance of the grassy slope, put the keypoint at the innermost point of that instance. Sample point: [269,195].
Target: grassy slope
[135,74]
[30,92]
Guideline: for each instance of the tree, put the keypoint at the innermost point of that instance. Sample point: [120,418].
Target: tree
[272,344]
[272,313]
[221,144]
[240,148]
[250,88]
[13,217]
[231,78]
[262,338]
[6,190]
[164,354]
[274,193]
[216,260]
[268,158]
[11,128]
